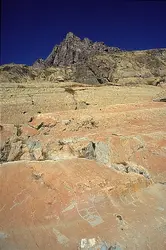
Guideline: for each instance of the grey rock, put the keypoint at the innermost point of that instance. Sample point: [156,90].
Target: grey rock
[102,152]
[97,63]
[160,100]
[37,153]
[3,235]
[130,167]
[89,151]
[98,151]
[5,150]
[82,60]
[32,144]
[115,247]
[93,244]
[15,151]
[39,64]
[73,50]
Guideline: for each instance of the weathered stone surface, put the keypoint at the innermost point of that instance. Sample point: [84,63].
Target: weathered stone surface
[73,50]
[7,131]
[97,63]
[37,153]
[97,243]
[55,205]
[117,134]
[52,97]
[93,63]
[160,100]
[39,64]
[17,73]
[15,151]
[86,178]
[28,131]
[26,156]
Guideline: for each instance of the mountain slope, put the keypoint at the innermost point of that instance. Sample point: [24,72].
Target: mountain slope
[94,63]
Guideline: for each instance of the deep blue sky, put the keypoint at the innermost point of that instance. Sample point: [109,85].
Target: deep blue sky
[30,28]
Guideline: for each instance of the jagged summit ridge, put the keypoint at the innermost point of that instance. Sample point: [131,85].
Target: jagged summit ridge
[73,50]
[85,61]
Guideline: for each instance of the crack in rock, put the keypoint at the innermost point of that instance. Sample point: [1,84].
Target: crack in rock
[98,151]
[160,100]
[130,167]
[5,151]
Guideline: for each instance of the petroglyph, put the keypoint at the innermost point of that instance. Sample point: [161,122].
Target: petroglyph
[3,235]
[87,243]
[2,208]
[89,213]
[91,216]
[70,207]
[62,239]
[17,203]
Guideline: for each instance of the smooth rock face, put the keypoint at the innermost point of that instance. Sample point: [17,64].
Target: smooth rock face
[47,205]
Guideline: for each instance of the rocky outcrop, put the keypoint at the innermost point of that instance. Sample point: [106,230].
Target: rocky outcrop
[93,63]
[97,63]
[20,73]
[39,64]
[79,204]
[73,50]
[99,135]
[93,179]
[17,73]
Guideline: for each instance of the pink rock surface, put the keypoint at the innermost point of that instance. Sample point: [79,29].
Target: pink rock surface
[48,205]
[99,175]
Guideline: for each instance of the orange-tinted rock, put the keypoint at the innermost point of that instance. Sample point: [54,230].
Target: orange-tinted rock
[48,205]
[132,132]
[115,195]
[41,120]
[28,131]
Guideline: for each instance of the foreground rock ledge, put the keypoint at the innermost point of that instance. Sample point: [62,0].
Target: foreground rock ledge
[77,203]
[93,179]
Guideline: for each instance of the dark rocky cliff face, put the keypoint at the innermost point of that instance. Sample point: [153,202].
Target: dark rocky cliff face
[73,50]
[94,63]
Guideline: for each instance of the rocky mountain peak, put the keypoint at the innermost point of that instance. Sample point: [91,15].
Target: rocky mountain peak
[85,61]
[73,50]
[70,36]
[87,41]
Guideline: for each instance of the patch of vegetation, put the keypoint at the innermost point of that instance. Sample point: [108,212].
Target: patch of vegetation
[70,90]
[21,86]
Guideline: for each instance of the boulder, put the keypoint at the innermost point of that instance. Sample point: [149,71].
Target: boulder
[15,150]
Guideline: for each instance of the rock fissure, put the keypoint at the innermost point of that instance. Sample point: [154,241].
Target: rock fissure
[130,167]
